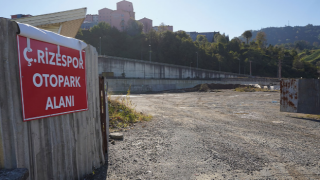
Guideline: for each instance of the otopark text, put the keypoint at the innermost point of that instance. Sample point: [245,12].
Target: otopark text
[52,79]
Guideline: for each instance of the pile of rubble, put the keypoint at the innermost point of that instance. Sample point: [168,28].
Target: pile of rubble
[212,87]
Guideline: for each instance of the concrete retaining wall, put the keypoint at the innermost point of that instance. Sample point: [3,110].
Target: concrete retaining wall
[153,85]
[132,68]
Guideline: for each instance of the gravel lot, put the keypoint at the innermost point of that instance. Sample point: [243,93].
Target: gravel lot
[216,135]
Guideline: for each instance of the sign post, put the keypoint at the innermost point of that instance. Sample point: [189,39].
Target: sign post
[52,79]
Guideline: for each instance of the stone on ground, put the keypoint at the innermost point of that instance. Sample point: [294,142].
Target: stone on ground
[116,135]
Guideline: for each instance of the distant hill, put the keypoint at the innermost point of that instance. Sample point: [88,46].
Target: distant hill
[289,34]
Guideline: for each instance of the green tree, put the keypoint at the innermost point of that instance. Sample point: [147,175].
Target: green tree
[247,34]
[202,40]
[261,39]
[215,37]
[162,28]
[235,44]
[297,63]
[222,39]
[178,48]
[134,27]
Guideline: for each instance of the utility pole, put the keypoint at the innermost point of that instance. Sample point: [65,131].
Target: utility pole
[197,60]
[100,47]
[141,47]
[280,68]
[150,53]
[239,65]
[250,68]
[190,69]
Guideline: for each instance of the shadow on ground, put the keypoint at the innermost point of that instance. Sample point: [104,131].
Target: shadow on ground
[100,173]
[307,119]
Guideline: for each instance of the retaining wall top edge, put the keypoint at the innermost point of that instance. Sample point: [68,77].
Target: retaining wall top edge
[172,65]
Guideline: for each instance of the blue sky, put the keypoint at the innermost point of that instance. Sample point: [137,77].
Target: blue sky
[231,17]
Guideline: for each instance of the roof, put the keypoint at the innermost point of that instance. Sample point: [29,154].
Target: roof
[124,1]
[66,23]
[145,18]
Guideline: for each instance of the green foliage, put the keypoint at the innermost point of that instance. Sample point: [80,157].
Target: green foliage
[289,34]
[261,39]
[313,58]
[122,113]
[134,27]
[222,39]
[223,55]
[247,34]
[202,39]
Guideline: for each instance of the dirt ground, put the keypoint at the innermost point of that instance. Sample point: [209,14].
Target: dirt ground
[216,135]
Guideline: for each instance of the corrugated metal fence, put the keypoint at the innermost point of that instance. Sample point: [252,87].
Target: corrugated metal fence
[62,147]
[300,96]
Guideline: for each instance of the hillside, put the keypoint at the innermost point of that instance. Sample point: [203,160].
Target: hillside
[312,58]
[289,34]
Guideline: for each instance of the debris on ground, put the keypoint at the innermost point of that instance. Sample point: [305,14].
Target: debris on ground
[253,89]
[212,87]
[113,142]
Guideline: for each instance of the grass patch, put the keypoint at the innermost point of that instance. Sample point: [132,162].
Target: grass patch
[305,116]
[313,58]
[122,113]
[251,89]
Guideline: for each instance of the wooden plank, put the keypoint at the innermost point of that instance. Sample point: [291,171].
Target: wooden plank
[20,128]
[8,137]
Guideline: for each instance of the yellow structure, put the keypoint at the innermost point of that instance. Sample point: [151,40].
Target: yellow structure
[66,23]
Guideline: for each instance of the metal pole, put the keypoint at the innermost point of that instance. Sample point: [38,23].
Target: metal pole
[150,53]
[190,69]
[279,68]
[100,46]
[197,60]
[250,68]
[239,65]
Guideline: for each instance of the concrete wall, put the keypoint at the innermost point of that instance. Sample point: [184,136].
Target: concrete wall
[153,85]
[152,70]
[60,147]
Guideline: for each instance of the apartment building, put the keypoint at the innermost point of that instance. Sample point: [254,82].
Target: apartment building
[166,28]
[116,18]
[92,18]
[209,35]
[147,24]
